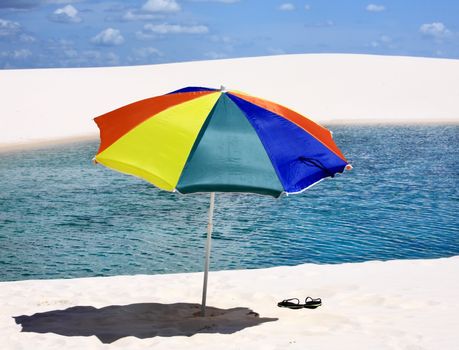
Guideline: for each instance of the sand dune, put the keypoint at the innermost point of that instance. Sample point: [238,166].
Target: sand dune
[410,304]
[52,104]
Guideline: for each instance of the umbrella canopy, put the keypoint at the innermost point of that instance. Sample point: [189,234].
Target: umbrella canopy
[208,140]
[211,140]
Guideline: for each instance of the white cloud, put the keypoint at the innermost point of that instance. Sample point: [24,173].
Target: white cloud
[91,54]
[276,51]
[108,37]
[324,24]
[439,53]
[16,54]
[222,46]
[161,6]
[222,1]
[112,59]
[22,53]
[65,42]
[145,52]
[215,55]
[139,16]
[66,55]
[66,14]
[384,41]
[142,35]
[221,39]
[145,55]
[435,30]
[9,28]
[25,38]
[166,28]
[375,8]
[96,58]
[287,7]
[62,1]
[71,53]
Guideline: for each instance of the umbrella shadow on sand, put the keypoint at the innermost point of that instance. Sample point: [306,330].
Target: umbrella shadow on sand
[144,320]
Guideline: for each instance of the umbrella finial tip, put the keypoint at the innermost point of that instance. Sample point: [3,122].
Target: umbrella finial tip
[222,88]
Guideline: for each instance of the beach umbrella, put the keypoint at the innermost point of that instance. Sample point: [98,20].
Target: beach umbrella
[211,140]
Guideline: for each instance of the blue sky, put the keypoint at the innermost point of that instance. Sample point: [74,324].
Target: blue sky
[79,33]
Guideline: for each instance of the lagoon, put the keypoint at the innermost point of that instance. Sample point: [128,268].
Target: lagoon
[63,217]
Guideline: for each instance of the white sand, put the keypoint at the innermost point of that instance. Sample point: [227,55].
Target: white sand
[374,305]
[48,104]
[411,304]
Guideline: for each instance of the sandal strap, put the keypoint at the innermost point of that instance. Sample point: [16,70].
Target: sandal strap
[288,300]
[312,300]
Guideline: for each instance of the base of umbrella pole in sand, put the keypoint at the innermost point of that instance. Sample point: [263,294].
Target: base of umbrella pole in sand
[206,265]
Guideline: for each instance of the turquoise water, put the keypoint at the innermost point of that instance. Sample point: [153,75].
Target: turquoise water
[61,216]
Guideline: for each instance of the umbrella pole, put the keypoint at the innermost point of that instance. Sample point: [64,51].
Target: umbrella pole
[206,265]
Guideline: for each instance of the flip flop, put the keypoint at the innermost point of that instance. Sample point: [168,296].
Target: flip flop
[310,303]
[291,305]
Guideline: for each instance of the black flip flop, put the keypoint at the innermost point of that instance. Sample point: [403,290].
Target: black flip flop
[311,303]
[291,305]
